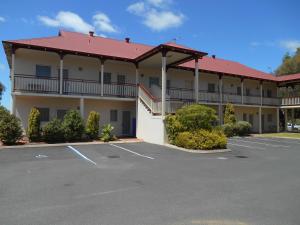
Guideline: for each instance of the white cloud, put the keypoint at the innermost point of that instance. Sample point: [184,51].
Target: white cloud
[290,45]
[163,20]
[156,14]
[103,23]
[2,19]
[70,20]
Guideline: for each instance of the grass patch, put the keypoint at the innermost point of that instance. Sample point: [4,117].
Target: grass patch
[280,135]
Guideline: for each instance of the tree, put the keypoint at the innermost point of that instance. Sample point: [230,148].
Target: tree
[33,131]
[229,117]
[290,64]
[2,89]
[92,125]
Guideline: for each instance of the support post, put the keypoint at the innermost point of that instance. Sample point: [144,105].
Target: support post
[102,77]
[196,80]
[137,96]
[61,73]
[12,80]
[261,93]
[242,91]
[82,107]
[278,120]
[259,121]
[220,99]
[163,82]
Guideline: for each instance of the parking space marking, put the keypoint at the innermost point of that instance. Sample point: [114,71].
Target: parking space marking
[261,143]
[135,153]
[81,155]
[246,146]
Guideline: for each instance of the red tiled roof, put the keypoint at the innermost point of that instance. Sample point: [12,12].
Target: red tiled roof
[77,42]
[229,67]
[290,77]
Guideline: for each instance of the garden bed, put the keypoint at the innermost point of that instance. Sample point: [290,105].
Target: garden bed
[198,150]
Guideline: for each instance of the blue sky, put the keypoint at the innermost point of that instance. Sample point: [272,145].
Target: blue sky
[256,33]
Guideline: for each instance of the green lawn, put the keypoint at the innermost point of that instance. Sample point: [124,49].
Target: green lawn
[280,135]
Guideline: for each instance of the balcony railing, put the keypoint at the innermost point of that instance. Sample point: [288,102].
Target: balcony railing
[290,101]
[25,83]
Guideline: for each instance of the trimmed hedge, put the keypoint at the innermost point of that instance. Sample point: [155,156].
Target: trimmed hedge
[10,127]
[73,126]
[241,128]
[173,127]
[53,131]
[201,139]
[92,125]
[33,131]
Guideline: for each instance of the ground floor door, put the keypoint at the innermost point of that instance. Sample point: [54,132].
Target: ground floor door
[126,123]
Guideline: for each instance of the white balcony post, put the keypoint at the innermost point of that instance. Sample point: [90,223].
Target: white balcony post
[259,120]
[12,77]
[277,120]
[82,107]
[242,90]
[261,93]
[137,96]
[196,80]
[163,83]
[220,99]
[61,73]
[102,77]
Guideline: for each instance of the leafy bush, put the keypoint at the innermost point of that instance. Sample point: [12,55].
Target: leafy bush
[92,125]
[73,126]
[195,117]
[173,127]
[106,134]
[242,128]
[53,131]
[33,130]
[201,139]
[229,116]
[10,127]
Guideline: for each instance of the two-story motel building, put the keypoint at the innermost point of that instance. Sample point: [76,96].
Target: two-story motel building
[133,86]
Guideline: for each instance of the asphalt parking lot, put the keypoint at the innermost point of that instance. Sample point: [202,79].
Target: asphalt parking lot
[258,183]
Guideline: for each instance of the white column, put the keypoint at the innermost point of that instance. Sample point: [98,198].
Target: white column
[259,121]
[196,88]
[163,84]
[137,96]
[242,90]
[220,100]
[102,77]
[61,74]
[82,107]
[261,93]
[277,120]
[12,81]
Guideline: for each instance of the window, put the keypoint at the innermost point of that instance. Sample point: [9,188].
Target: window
[113,115]
[42,71]
[211,87]
[61,113]
[251,119]
[247,91]
[153,81]
[106,78]
[244,117]
[44,114]
[269,93]
[239,91]
[168,84]
[270,118]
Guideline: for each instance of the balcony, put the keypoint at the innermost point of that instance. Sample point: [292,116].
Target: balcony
[51,85]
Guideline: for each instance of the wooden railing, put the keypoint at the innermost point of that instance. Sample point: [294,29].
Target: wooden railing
[27,83]
[152,103]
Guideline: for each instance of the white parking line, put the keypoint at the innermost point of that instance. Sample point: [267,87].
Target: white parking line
[246,146]
[262,143]
[81,155]
[125,149]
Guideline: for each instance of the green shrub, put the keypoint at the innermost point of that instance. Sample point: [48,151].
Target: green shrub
[229,129]
[173,127]
[10,127]
[92,125]
[242,128]
[73,126]
[229,116]
[195,117]
[53,131]
[202,139]
[106,134]
[33,130]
